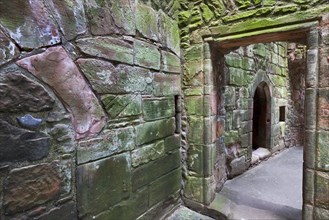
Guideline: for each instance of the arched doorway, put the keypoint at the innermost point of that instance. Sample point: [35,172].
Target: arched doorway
[261,117]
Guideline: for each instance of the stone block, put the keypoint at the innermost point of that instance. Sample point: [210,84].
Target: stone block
[29,23]
[239,77]
[196,134]
[69,84]
[147,21]
[322,190]
[164,187]
[172,143]
[106,78]
[70,16]
[129,209]
[237,166]
[102,184]
[171,63]
[308,186]
[322,151]
[109,143]
[30,186]
[122,105]
[246,127]
[149,172]
[166,84]
[195,159]
[108,47]
[29,96]
[8,50]
[194,188]
[158,108]
[169,33]
[194,105]
[147,55]
[147,153]
[230,97]
[106,17]
[323,112]
[309,151]
[155,130]
[66,211]
[194,53]
[17,145]
[324,67]
[231,137]
[320,213]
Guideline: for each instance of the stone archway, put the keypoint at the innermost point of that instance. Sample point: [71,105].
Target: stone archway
[261,117]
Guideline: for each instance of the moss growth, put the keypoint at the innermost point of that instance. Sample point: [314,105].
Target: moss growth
[207,14]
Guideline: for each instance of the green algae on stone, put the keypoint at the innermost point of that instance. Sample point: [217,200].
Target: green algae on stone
[108,47]
[193,188]
[147,21]
[207,14]
[194,105]
[243,3]
[169,33]
[158,108]
[322,151]
[196,134]
[171,63]
[147,153]
[147,55]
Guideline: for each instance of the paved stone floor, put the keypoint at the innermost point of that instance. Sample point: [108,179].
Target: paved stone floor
[272,190]
[183,213]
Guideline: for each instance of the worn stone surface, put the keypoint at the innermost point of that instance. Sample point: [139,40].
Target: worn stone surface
[19,93]
[106,78]
[8,50]
[169,33]
[55,68]
[322,190]
[111,142]
[238,166]
[109,48]
[171,63]
[29,23]
[322,151]
[122,105]
[18,144]
[30,186]
[102,184]
[111,17]
[185,213]
[147,55]
[166,85]
[147,21]
[70,16]
[66,211]
[158,108]
[323,106]
[151,131]
[149,172]
[147,153]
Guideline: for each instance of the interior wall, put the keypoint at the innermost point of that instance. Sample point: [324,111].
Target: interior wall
[89,109]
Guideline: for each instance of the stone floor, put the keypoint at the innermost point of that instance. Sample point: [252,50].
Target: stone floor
[183,213]
[272,190]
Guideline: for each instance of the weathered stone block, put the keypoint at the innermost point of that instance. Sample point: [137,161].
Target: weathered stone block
[194,188]
[108,17]
[106,78]
[323,106]
[147,21]
[169,33]
[324,67]
[196,134]
[109,48]
[239,77]
[231,137]
[18,144]
[31,186]
[163,187]
[171,63]
[320,213]
[193,73]
[66,211]
[195,159]
[322,151]
[109,143]
[166,84]
[147,153]
[237,166]
[155,130]
[147,55]
[172,143]
[70,16]
[129,209]
[8,49]
[122,105]
[308,186]
[149,172]
[19,93]
[322,190]
[230,97]
[158,108]
[102,184]
[88,116]
[29,23]
[194,105]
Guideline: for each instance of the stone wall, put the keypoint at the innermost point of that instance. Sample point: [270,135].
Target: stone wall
[245,69]
[89,106]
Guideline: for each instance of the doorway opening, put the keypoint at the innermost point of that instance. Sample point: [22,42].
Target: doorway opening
[261,116]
